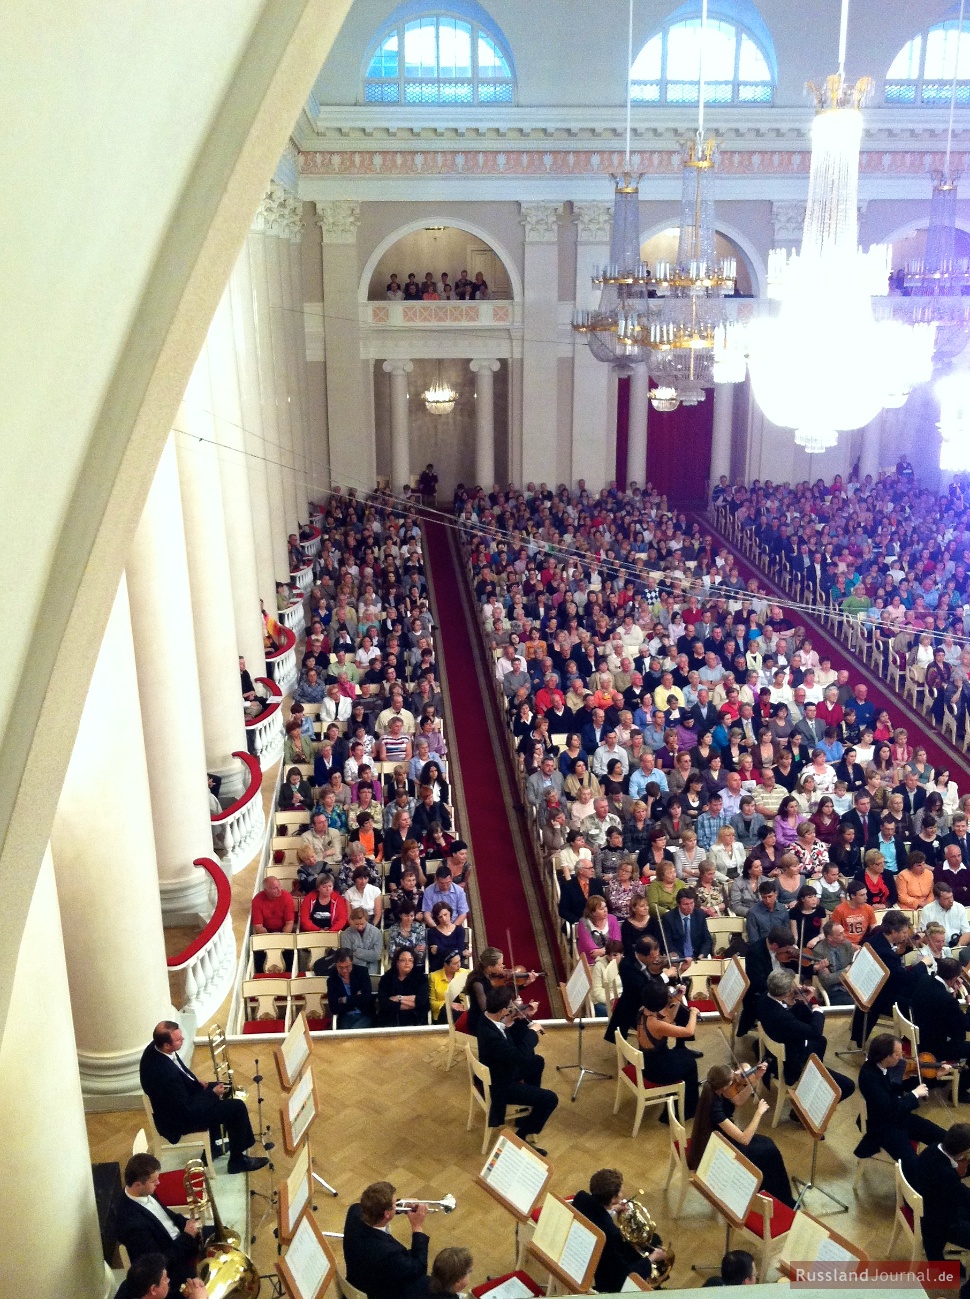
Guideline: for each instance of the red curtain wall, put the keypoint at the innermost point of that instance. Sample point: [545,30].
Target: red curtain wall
[623,435]
[678,448]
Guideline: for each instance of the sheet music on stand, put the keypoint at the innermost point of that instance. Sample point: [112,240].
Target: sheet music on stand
[730,990]
[293,1052]
[566,1243]
[298,1111]
[515,1175]
[815,1095]
[727,1179]
[810,1241]
[294,1193]
[577,990]
[308,1266]
[865,977]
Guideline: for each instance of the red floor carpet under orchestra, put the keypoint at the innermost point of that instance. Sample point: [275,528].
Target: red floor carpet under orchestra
[500,883]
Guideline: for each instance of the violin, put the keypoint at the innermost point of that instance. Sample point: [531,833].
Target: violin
[519,977]
[927,1068]
[740,1089]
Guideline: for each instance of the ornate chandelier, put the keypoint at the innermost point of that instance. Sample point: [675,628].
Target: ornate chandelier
[439,397]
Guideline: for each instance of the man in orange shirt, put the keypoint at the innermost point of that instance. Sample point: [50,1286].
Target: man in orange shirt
[273,913]
[855,915]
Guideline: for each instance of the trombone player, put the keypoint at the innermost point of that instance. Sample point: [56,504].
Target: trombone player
[146,1227]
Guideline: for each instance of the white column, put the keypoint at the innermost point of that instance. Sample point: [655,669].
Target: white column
[237,503]
[270,448]
[484,372]
[277,255]
[107,879]
[55,1213]
[247,368]
[871,447]
[721,437]
[594,440]
[543,459]
[168,688]
[636,446]
[290,266]
[400,430]
[210,583]
[350,393]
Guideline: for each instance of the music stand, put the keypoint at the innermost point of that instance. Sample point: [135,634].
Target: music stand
[294,1193]
[729,992]
[574,996]
[566,1244]
[810,1241]
[516,1177]
[815,1096]
[729,1181]
[293,1052]
[309,1265]
[298,1111]
[865,979]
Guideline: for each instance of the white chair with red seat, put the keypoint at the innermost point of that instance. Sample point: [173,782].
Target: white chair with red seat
[908,1219]
[452,993]
[629,1075]
[189,1147]
[480,1088]
[677,1164]
[766,1227]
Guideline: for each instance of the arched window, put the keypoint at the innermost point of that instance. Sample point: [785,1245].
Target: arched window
[438,58]
[922,72]
[738,59]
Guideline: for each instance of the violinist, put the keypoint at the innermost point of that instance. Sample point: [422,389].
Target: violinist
[776,951]
[892,1123]
[788,1017]
[489,972]
[890,941]
[646,965]
[941,1019]
[666,1057]
[506,1046]
[724,1090]
[933,948]
[938,1177]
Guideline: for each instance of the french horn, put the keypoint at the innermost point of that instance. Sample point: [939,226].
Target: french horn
[639,1230]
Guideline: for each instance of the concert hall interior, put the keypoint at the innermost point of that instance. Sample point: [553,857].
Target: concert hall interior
[486,541]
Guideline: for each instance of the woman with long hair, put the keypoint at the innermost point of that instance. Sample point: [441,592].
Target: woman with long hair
[787,821]
[666,1057]
[743,892]
[715,1113]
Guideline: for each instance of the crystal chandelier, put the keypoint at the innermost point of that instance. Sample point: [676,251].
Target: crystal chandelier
[822,364]
[440,397]
[953,394]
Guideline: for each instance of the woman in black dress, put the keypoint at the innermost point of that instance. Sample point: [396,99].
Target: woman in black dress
[715,1113]
[666,1056]
[402,994]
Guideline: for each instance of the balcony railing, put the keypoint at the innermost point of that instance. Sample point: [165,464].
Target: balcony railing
[435,315]
[264,733]
[237,831]
[302,579]
[311,547]
[281,663]
[294,618]
[208,963]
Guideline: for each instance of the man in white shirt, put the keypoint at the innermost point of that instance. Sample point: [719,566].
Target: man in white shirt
[607,751]
[952,915]
[144,1226]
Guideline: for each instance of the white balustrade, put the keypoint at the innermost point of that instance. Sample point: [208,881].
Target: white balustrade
[311,548]
[302,579]
[209,965]
[265,733]
[237,832]
[282,664]
[294,618]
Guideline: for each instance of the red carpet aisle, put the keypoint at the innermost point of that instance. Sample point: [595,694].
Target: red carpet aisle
[918,728]
[501,882]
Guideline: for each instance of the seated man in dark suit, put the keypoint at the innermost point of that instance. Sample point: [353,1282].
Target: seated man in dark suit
[634,975]
[576,891]
[144,1226]
[619,1259]
[790,1022]
[940,1170]
[181,1103]
[892,1123]
[377,1263]
[149,1279]
[686,928]
[506,1047]
[941,1020]
[885,940]
[775,952]
[349,992]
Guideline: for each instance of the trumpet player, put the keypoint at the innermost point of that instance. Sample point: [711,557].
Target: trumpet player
[149,1279]
[144,1226]
[377,1263]
[619,1258]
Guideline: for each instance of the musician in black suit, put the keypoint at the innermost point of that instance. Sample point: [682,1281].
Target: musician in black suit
[181,1103]
[377,1263]
[685,928]
[941,1020]
[887,940]
[776,952]
[149,1279]
[619,1259]
[789,1021]
[144,1226]
[506,1047]
[892,1123]
[637,971]
[939,1174]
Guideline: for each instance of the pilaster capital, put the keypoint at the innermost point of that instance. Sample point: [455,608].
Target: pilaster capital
[338,220]
[398,367]
[273,214]
[788,220]
[594,222]
[484,367]
[293,219]
[541,221]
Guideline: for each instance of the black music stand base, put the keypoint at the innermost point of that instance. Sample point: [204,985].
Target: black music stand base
[857,1050]
[714,1267]
[812,1185]
[583,1071]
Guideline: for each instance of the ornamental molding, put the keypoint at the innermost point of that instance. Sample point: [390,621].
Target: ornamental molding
[594,221]
[788,220]
[274,216]
[338,220]
[541,222]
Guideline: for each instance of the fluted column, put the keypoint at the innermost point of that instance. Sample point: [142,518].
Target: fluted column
[247,367]
[168,689]
[542,457]
[290,268]
[400,426]
[636,447]
[107,879]
[210,582]
[594,438]
[484,372]
[271,449]
[276,251]
[721,437]
[56,1216]
[237,503]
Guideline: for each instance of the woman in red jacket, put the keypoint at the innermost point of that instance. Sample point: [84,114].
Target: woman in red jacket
[324,909]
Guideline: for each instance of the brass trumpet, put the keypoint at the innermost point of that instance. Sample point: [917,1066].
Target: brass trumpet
[225,1270]
[447,1205]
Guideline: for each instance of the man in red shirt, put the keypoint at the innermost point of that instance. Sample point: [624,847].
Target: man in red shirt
[273,913]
